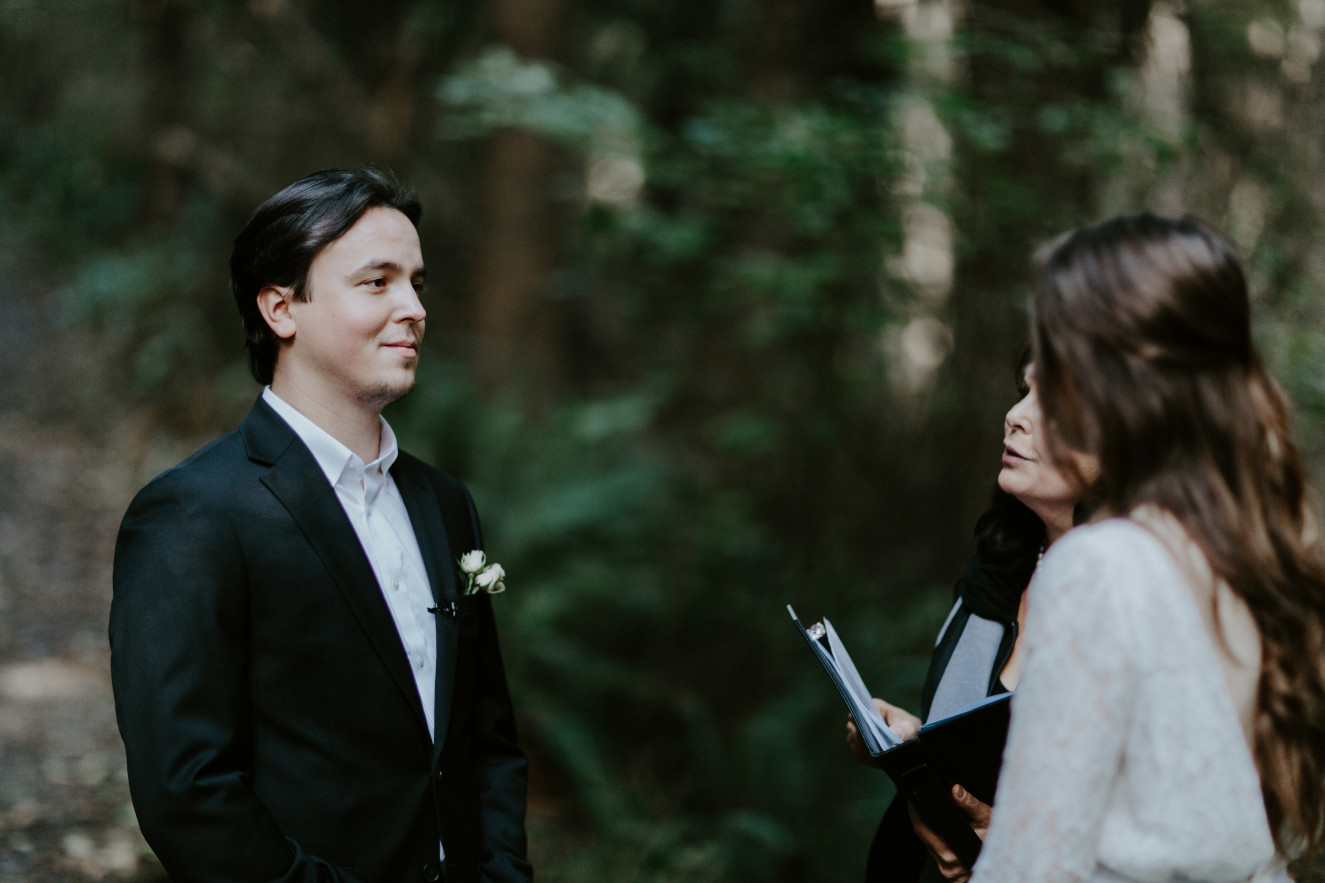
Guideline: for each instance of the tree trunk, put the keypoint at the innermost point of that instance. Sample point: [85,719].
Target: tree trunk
[172,144]
[519,326]
[1014,197]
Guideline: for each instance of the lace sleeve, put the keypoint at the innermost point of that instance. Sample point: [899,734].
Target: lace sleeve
[1069,720]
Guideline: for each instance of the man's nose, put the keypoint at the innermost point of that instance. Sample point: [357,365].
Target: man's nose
[411,308]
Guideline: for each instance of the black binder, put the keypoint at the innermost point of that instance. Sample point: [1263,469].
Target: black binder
[965,748]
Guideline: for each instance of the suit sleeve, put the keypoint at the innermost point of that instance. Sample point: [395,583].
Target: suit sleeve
[501,771]
[179,665]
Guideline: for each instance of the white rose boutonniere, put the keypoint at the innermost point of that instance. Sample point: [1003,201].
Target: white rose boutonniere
[480,576]
[472,562]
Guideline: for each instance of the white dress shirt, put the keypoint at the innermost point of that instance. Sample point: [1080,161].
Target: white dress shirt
[369,496]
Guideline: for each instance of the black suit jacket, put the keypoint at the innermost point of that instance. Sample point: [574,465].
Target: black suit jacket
[271,722]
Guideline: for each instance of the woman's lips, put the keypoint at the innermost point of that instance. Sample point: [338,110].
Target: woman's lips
[1012,458]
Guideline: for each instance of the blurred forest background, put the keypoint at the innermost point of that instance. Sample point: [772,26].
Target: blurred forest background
[725,298]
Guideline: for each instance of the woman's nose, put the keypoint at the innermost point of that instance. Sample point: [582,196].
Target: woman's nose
[1020,415]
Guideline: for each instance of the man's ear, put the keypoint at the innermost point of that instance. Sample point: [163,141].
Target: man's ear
[274,304]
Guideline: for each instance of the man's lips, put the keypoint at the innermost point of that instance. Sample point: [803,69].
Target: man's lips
[409,347]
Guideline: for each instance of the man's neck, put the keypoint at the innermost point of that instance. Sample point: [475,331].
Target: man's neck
[351,424]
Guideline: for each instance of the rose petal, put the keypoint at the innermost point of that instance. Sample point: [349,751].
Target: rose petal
[472,562]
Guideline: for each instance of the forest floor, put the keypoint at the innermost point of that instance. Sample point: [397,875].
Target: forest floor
[64,798]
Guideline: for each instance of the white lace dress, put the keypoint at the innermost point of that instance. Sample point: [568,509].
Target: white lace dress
[1126,760]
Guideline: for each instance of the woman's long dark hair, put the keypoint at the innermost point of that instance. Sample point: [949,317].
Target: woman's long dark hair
[1008,533]
[1144,357]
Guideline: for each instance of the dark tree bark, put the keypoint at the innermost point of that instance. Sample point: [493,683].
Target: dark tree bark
[519,326]
[171,144]
[1014,198]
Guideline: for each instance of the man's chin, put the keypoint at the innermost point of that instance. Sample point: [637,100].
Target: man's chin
[380,396]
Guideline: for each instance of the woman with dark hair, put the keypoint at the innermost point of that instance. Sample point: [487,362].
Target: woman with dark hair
[1170,723]
[979,648]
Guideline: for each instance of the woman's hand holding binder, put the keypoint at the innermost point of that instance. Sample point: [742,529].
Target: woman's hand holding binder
[903,723]
[949,865]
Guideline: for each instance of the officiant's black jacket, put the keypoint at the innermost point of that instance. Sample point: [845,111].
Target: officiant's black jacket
[988,589]
[270,718]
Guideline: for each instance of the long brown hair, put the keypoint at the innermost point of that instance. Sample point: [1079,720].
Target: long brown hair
[1144,357]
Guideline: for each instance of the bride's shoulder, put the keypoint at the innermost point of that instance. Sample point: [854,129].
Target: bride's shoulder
[1117,554]
[1105,539]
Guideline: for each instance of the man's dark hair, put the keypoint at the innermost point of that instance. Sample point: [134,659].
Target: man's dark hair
[285,234]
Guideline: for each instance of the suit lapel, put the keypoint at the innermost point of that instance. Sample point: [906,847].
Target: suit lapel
[295,479]
[425,515]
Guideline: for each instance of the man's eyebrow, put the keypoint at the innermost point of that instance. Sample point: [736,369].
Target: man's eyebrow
[389,266]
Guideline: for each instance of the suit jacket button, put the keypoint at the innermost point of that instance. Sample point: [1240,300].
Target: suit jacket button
[439,775]
[432,872]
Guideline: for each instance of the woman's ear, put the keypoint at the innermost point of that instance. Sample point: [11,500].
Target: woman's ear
[274,304]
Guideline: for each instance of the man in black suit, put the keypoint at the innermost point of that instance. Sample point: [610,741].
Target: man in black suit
[304,689]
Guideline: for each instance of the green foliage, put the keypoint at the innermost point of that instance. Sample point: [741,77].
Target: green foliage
[731,185]
[673,718]
[498,88]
